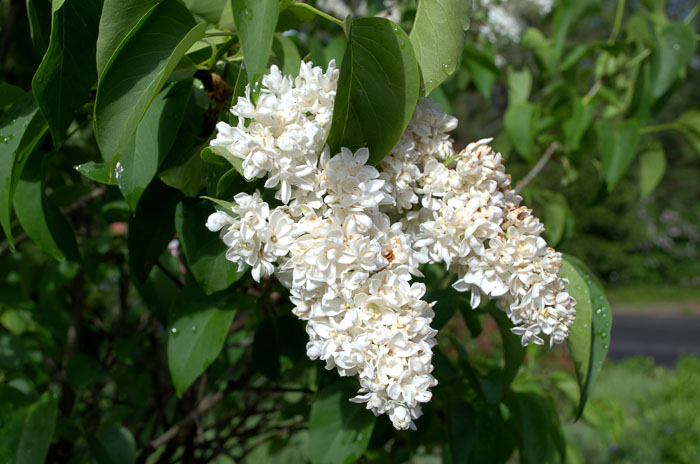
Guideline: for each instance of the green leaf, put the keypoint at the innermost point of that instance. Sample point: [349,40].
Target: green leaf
[689,125]
[184,169]
[291,16]
[255,21]
[118,18]
[21,128]
[673,53]
[138,70]
[27,432]
[151,228]
[557,217]
[339,430]
[540,46]
[518,122]
[589,336]
[62,83]
[482,68]
[83,370]
[113,444]
[519,85]
[462,426]
[98,172]
[213,155]
[438,36]
[447,302]
[198,324]
[652,165]
[566,16]
[287,54]
[152,142]
[617,144]
[279,342]
[513,351]
[204,250]
[39,15]
[577,125]
[40,217]
[377,89]
[209,10]
[539,433]
[9,94]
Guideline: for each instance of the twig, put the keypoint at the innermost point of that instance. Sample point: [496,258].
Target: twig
[169,274]
[205,405]
[537,168]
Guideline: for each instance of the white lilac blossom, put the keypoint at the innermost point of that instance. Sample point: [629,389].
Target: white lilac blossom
[502,22]
[347,238]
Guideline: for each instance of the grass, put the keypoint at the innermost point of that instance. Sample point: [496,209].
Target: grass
[659,414]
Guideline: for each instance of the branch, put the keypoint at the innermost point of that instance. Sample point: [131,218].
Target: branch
[537,168]
[205,405]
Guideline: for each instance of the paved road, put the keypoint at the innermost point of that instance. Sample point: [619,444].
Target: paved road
[662,337]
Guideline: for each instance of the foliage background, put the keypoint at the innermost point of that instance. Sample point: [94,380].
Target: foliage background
[127,337]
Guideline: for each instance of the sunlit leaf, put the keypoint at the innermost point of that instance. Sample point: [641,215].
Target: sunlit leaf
[198,325]
[438,36]
[339,430]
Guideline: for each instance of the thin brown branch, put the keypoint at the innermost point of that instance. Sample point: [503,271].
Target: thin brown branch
[520,186]
[205,405]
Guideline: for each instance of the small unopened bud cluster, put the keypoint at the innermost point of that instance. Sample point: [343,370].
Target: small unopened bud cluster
[348,238]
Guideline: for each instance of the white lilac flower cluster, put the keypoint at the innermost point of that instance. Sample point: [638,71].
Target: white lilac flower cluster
[502,22]
[347,238]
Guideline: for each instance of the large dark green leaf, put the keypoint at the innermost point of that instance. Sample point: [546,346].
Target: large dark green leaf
[117,19]
[151,228]
[198,328]
[26,432]
[674,50]
[438,36]
[519,123]
[113,444]
[618,145]
[40,217]
[62,83]
[153,140]
[589,336]
[204,250]
[10,94]
[209,10]
[539,434]
[377,89]
[477,435]
[513,351]
[652,165]
[39,15]
[21,127]
[137,71]
[255,21]
[339,430]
